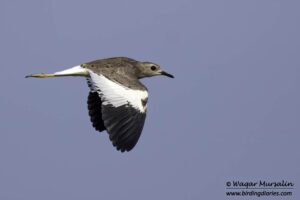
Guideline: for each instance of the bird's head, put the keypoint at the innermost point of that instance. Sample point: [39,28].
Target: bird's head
[148,69]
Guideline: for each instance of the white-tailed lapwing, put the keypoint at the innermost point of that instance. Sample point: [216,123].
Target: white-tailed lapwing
[117,101]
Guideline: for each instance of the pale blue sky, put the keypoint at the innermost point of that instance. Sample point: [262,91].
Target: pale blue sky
[231,113]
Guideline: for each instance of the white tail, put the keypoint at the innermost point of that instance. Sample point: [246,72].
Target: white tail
[74,71]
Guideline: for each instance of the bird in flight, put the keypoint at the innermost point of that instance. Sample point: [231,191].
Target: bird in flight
[117,101]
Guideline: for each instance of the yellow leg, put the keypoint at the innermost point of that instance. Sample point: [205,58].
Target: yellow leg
[40,75]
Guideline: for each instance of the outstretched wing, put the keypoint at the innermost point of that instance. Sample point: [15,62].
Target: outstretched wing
[123,110]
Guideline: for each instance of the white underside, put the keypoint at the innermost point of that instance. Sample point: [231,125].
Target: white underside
[117,94]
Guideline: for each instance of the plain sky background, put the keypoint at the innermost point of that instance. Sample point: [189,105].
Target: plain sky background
[231,113]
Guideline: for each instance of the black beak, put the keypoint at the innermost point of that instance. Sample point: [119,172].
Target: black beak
[166,74]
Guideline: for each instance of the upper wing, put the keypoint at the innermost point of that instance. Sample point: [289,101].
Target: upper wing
[123,110]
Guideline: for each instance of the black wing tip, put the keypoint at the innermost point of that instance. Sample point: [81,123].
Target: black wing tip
[123,150]
[95,111]
[122,144]
[123,147]
[124,125]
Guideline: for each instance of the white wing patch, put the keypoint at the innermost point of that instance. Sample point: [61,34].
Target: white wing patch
[116,94]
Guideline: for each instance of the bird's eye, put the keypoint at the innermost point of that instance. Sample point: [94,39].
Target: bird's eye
[153,68]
